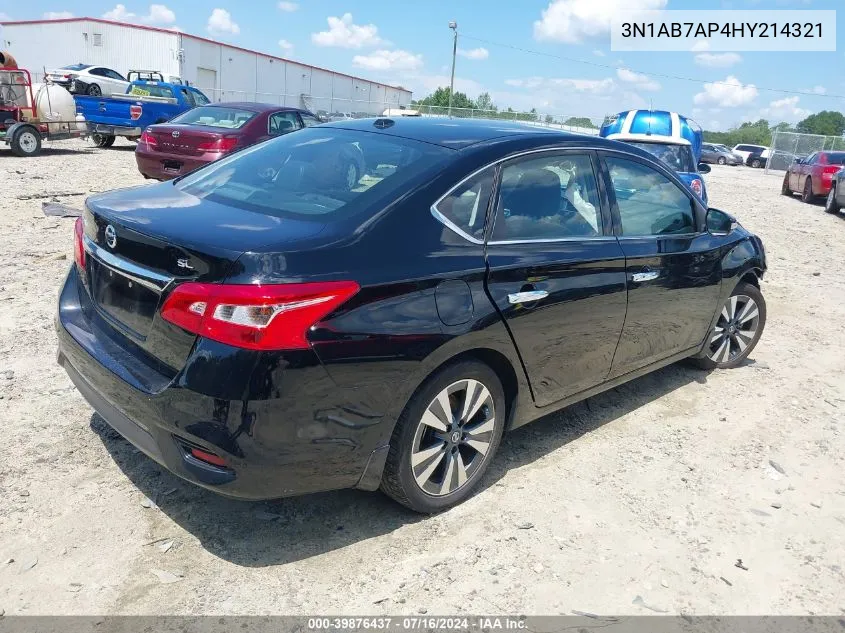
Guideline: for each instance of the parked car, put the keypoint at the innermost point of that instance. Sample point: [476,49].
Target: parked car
[746,150]
[835,200]
[669,136]
[144,103]
[86,79]
[719,154]
[340,116]
[209,132]
[812,176]
[263,330]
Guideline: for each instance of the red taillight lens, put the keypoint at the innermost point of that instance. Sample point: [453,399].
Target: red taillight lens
[208,458]
[831,169]
[149,140]
[135,112]
[271,317]
[78,247]
[696,186]
[224,144]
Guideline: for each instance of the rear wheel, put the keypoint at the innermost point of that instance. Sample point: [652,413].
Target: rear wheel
[784,188]
[737,330]
[831,205]
[808,195]
[445,439]
[756,163]
[94,90]
[103,140]
[26,142]
[721,160]
[351,176]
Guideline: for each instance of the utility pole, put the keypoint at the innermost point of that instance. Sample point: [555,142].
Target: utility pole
[454,26]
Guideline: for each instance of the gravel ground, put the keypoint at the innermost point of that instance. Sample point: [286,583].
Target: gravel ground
[640,500]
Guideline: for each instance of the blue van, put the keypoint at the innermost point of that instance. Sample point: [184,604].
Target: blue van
[671,137]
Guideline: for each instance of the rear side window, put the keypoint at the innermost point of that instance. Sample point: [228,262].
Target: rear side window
[466,205]
[199,98]
[188,96]
[215,116]
[648,202]
[318,172]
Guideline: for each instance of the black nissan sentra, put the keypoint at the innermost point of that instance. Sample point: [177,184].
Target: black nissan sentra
[270,326]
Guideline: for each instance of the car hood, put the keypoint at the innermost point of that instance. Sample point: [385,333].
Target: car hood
[164,212]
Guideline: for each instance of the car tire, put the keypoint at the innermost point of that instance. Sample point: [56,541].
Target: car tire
[351,175]
[756,163]
[103,141]
[737,330]
[807,195]
[784,188]
[721,160]
[428,457]
[26,142]
[831,205]
[94,91]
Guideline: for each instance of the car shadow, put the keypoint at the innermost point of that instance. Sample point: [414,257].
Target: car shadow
[260,534]
[46,150]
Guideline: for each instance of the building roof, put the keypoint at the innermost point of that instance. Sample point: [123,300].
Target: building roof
[145,27]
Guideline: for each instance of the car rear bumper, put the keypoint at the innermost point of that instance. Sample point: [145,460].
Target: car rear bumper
[165,166]
[274,445]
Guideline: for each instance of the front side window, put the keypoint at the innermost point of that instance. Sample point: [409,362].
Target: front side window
[199,98]
[547,198]
[466,205]
[188,96]
[648,202]
[282,123]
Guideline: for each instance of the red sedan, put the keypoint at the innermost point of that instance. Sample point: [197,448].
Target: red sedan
[209,132]
[812,175]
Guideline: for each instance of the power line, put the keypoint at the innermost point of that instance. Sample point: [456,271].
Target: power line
[650,74]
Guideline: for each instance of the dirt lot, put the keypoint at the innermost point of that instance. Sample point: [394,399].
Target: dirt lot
[640,500]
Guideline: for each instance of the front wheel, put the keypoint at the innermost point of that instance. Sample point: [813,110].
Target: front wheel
[737,330]
[831,205]
[808,195]
[445,439]
[721,160]
[756,163]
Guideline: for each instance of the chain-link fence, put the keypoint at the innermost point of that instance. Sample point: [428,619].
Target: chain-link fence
[570,123]
[789,146]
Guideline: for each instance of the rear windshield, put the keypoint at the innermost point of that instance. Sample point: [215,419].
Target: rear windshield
[216,116]
[836,158]
[151,90]
[316,171]
[678,157]
[76,67]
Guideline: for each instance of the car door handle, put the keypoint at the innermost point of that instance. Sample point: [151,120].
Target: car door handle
[645,275]
[527,297]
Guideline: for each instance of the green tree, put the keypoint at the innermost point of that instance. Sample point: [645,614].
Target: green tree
[440,99]
[484,102]
[579,121]
[826,122]
[549,118]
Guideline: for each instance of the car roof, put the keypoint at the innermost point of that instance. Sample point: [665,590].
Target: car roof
[462,133]
[253,107]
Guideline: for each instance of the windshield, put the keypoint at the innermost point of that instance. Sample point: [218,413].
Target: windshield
[76,67]
[215,116]
[316,172]
[677,157]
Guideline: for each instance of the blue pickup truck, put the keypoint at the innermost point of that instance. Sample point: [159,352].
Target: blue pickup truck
[144,103]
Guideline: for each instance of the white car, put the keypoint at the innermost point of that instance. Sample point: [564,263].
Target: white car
[745,150]
[89,80]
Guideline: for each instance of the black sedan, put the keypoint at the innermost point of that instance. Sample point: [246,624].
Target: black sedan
[263,328]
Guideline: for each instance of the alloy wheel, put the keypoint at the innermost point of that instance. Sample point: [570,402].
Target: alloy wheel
[721,160]
[735,330]
[351,176]
[453,437]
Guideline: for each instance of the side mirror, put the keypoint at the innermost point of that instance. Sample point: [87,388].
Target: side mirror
[719,223]
[703,168]
[798,161]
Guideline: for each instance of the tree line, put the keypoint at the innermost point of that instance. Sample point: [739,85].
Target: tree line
[825,123]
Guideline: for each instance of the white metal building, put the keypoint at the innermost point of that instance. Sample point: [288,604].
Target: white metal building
[224,72]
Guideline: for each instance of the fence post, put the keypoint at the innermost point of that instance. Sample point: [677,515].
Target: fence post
[771,151]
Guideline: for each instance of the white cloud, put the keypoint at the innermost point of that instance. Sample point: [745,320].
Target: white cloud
[346,34]
[285,45]
[288,7]
[717,60]
[729,93]
[474,53]
[220,22]
[158,14]
[119,14]
[57,15]
[388,60]
[785,109]
[643,82]
[5,17]
[572,20]
[599,53]
[819,90]
[589,86]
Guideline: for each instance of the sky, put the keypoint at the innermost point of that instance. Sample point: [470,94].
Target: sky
[550,55]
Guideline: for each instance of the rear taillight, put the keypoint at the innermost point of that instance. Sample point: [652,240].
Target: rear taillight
[831,169]
[135,112]
[696,186]
[271,317]
[224,144]
[149,140]
[78,246]
[208,458]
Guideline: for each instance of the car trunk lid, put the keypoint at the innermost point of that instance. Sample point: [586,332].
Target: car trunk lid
[189,140]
